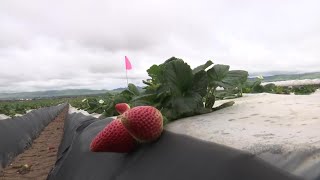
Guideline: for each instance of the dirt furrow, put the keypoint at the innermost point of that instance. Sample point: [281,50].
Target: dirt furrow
[36,162]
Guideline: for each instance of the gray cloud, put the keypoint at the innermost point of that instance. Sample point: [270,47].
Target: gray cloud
[81,44]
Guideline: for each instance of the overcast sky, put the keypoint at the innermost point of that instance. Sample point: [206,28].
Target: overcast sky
[82,43]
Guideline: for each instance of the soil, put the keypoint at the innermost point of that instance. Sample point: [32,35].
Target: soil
[36,162]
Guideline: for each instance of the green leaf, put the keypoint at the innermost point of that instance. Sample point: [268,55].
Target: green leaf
[234,78]
[155,72]
[217,73]
[175,90]
[188,104]
[123,97]
[256,83]
[182,106]
[270,88]
[240,75]
[133,89]
[202,67]
[200,83]
[171,59]
[92,103]
[126,92]
[146,99]
[178,76]
[147,82]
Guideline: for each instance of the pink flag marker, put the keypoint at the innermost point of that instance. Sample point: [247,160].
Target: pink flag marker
[128,64]
[128,67]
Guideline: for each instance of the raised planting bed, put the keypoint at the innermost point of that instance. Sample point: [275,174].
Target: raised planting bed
[173,156]
[36,162]
[18,133]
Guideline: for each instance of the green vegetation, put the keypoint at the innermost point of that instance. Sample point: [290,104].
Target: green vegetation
[285,77]
[179,91]
[11,108]
[304,90]
[105,104]
[51,94]
[175,89]
[256,87]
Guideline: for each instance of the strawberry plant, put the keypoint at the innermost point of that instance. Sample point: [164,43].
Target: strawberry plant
[254,86]
[105,104]
[304,90]
[11,108]
[220,76]
[174,89]
[179,91]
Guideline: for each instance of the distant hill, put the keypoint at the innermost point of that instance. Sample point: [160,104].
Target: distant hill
[57,93]
[285,77]
[121,89]
[83,92]
[51,93]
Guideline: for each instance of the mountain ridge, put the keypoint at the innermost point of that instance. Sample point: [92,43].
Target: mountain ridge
[85,92]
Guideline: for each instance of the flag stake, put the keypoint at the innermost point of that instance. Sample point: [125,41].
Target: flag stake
[127,78]
[128,67]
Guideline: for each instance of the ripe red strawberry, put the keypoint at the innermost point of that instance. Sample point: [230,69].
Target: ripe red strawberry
[144,123]
[113,138]
[122,107]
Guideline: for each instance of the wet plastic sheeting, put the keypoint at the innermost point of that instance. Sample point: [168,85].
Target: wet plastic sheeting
[73,122]
[17,134]
[172,157]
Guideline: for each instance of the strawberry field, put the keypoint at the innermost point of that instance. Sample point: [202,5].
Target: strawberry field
[179,91]
[174,90]
[19,133]
[173,87]
[11,108]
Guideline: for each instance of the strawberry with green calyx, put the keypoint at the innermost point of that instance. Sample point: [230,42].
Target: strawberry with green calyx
[113,138]
[144,123]
[122,107]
